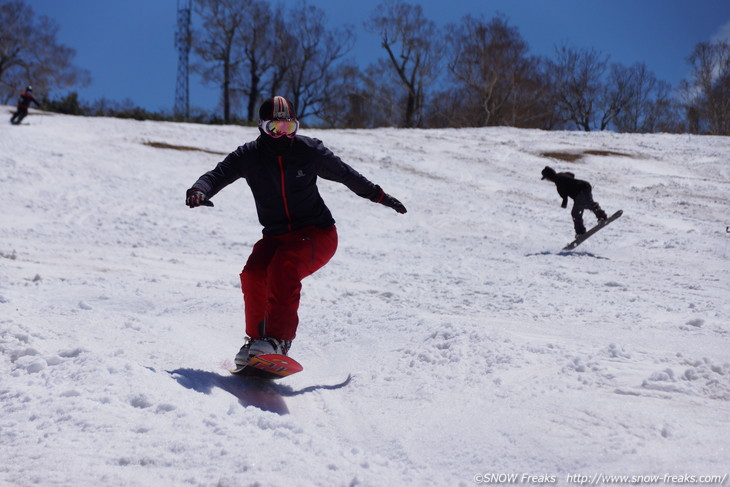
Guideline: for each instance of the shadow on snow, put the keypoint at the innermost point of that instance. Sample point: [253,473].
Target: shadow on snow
[265,395]
[568,253]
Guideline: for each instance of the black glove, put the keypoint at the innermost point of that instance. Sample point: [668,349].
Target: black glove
[391,202]
[195,197]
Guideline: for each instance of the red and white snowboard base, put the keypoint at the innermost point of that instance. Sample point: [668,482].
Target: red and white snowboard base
[269,367]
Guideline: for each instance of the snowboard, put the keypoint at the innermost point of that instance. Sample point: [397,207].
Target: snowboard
[582,238]
[270,366]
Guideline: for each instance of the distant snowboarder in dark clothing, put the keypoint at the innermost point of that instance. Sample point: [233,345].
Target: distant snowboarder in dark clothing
[580,191]
[299,234]
[23,104]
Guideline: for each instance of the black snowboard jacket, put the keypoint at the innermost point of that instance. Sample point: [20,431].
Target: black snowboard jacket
[25,100]
[568,186]
[284,182]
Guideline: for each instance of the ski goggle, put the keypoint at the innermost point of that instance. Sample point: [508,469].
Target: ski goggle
[280,128]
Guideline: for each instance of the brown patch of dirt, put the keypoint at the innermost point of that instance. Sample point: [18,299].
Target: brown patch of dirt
[165,145]
[605,153]
[574,156]
[563,156]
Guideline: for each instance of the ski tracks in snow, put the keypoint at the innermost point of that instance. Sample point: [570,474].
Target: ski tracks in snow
[473,344]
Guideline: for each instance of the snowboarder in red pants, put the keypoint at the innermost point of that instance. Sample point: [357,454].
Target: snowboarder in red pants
[23,105]
[299,235]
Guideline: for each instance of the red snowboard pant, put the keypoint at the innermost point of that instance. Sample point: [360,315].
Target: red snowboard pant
[271,280]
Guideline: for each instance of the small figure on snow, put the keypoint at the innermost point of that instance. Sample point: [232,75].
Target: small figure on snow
[23,104]
[299,234]
[581,192]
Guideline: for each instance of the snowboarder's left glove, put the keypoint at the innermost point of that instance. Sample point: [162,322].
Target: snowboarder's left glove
[391,202]
[194,197]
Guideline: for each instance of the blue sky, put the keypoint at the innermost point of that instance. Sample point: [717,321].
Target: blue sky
[128,45]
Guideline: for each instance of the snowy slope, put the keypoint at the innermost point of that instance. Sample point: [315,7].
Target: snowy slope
[472,343]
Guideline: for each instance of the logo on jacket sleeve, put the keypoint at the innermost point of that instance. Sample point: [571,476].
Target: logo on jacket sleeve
[300,173]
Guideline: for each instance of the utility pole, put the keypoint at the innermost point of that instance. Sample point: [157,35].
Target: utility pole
[183,41]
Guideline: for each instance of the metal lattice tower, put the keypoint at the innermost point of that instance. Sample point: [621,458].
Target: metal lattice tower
[183,42]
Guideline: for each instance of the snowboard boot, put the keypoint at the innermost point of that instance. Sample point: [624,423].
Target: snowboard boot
[241,359]
[598,211]
[267,345]
[260,346]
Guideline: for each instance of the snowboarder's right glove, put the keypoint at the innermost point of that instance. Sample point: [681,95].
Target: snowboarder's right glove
[194,197]
[391,202]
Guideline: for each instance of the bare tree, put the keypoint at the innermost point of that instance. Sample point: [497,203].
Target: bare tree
[577,77]
[255,38]
[305,53]
[29,53]
[707,93]
[650,107]
[313,57]
[533,101]
[218,44]
[450,108]
[284,46]
[489,60]
[412,44]
[363,99]
[617,93]
[663,112]
[348,99]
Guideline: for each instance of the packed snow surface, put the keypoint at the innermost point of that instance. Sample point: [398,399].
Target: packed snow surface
[450,346]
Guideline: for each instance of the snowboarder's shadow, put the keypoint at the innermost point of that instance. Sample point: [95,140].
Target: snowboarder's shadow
[264,395]
[566,253]
[569,253]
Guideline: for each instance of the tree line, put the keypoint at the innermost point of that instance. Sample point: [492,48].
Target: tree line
[477,72]
[29,53]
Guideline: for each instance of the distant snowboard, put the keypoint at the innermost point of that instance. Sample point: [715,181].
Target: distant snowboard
[584,237]
[269,367]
